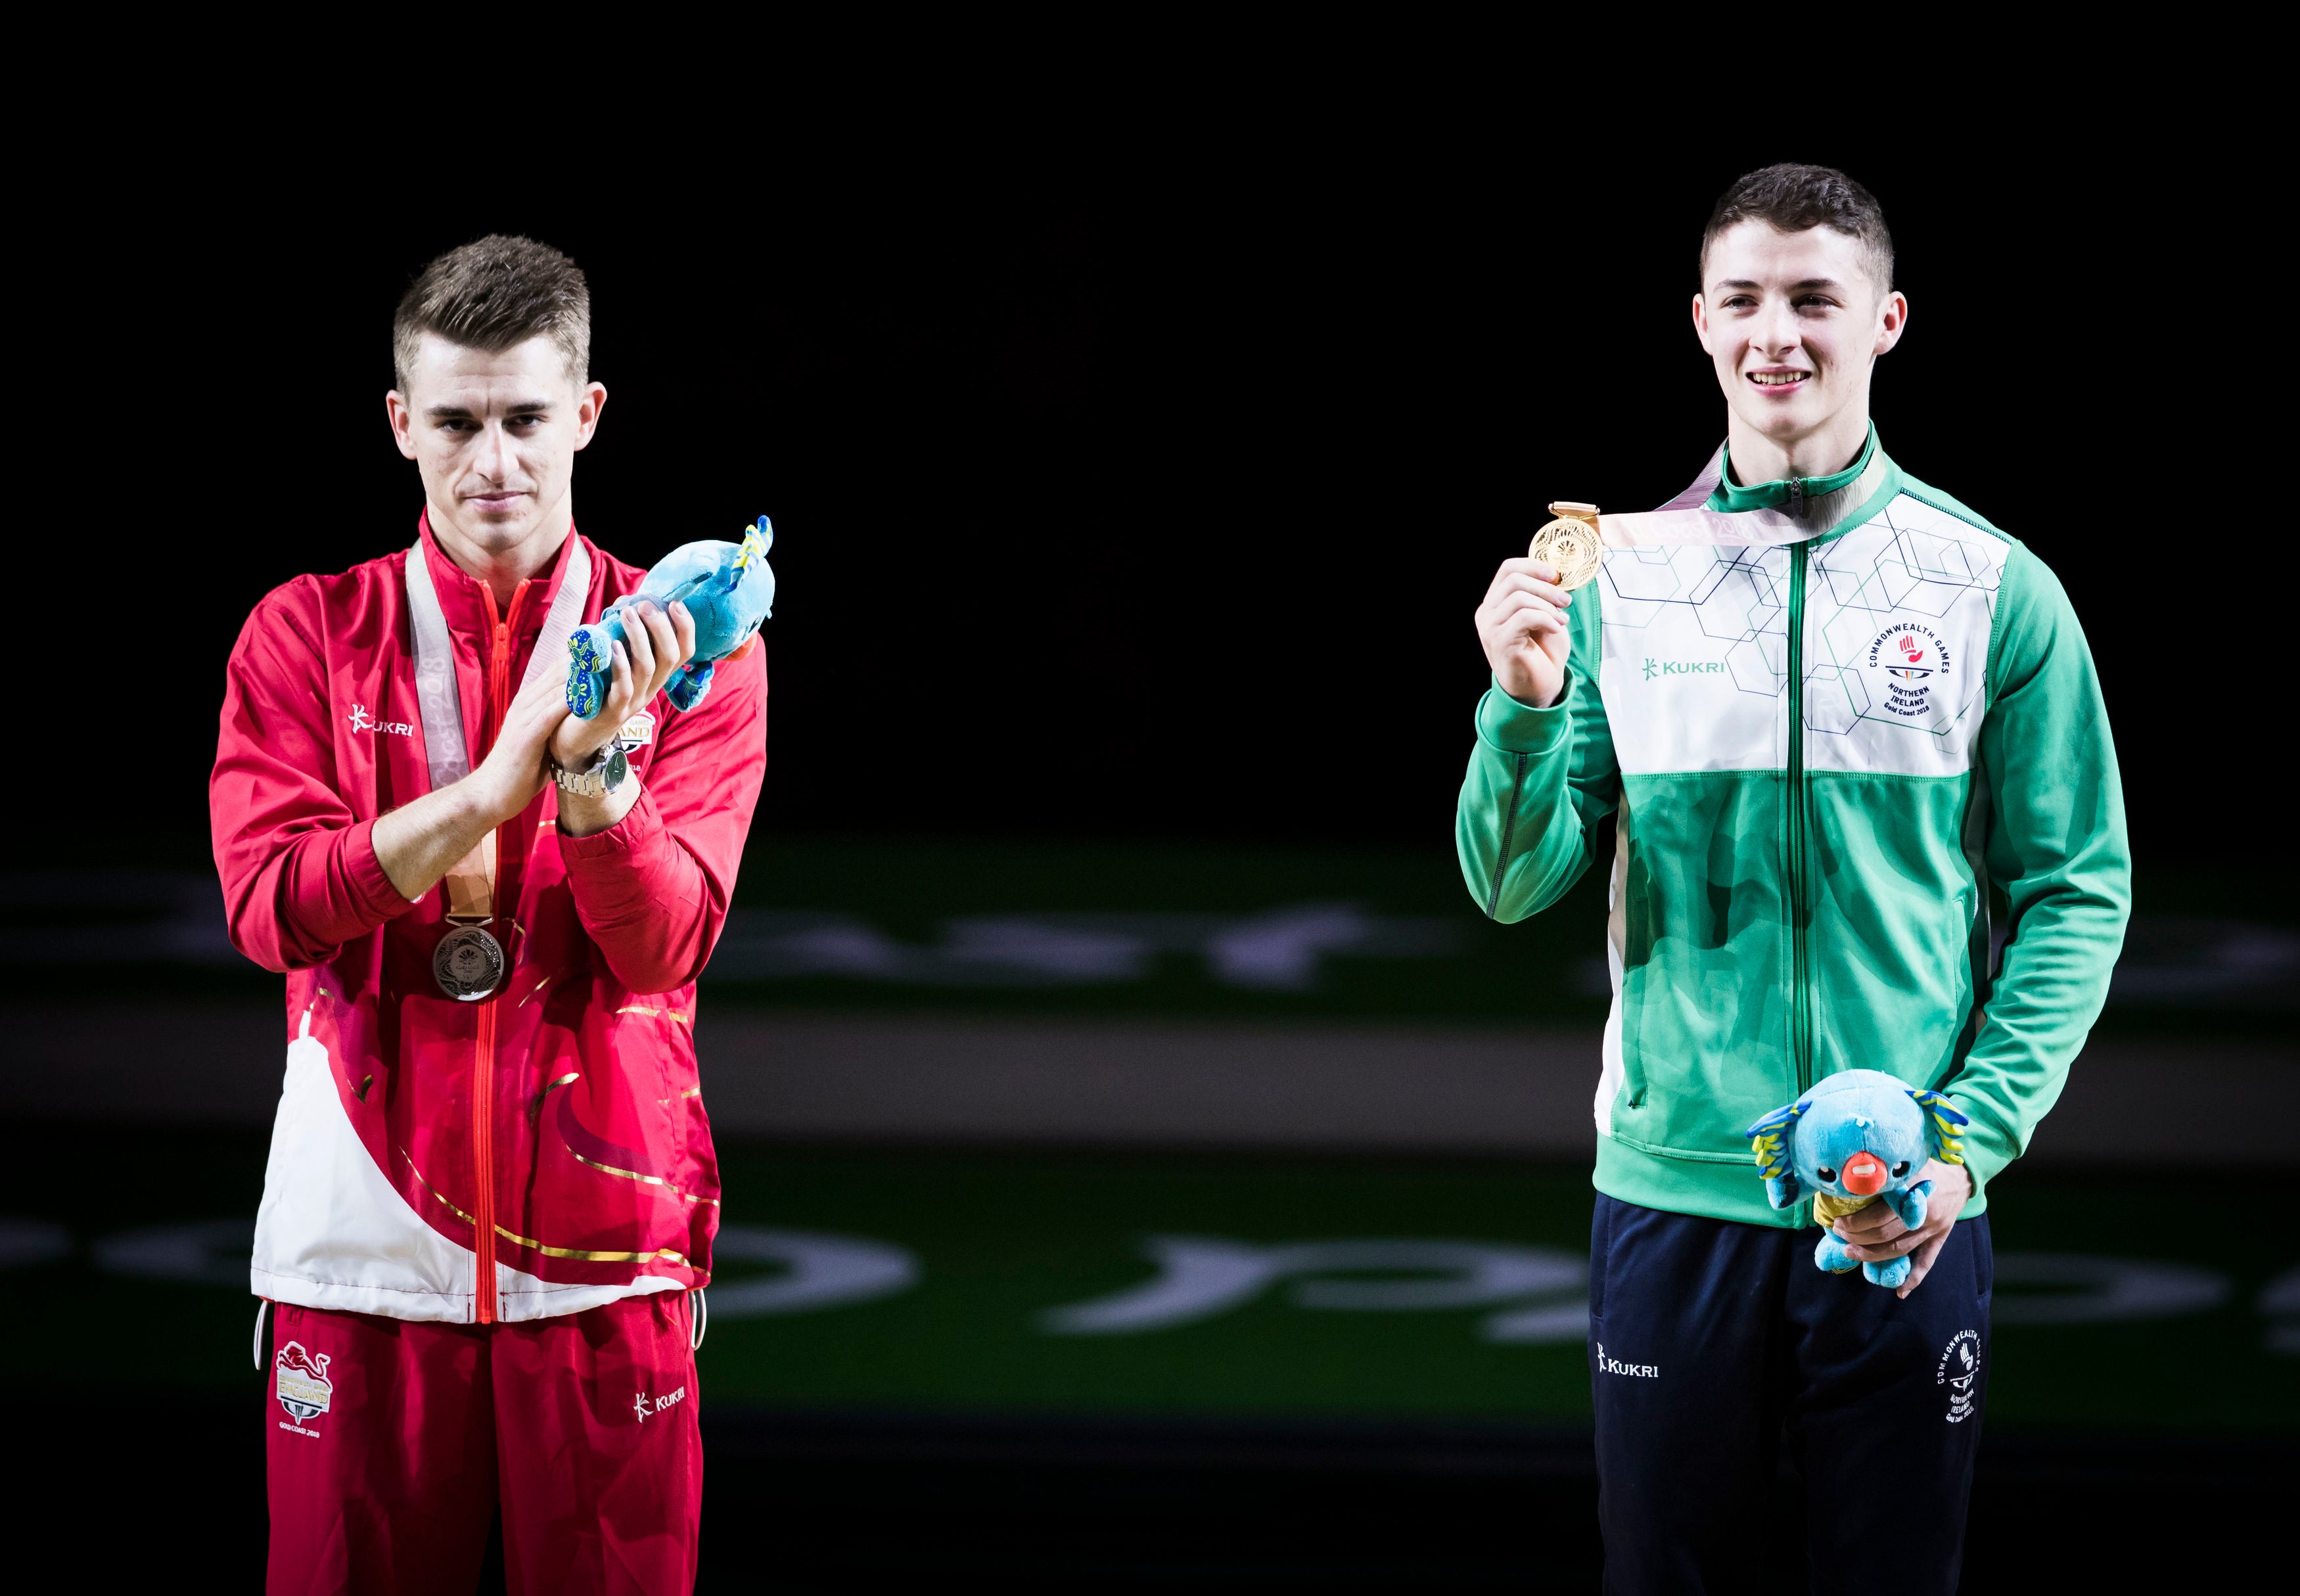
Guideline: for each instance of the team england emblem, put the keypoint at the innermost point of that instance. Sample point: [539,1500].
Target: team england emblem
[302,1382]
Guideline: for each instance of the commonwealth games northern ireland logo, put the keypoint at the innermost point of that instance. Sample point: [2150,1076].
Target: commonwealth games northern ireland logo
[302,1386]
[1959,1370]
[1912,656]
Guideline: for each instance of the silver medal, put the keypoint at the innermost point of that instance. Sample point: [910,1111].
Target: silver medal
[468,963]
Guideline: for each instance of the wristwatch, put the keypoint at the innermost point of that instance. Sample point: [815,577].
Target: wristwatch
[602,775]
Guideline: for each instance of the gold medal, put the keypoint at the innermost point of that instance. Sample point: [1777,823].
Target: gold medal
[1570,543]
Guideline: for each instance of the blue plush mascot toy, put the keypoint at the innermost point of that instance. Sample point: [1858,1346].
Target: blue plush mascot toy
[728,587]
[1859,1136]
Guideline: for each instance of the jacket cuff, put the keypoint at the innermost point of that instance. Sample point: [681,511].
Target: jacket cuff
[372,890]
[1987,1152]
[638,829]
[1515,728]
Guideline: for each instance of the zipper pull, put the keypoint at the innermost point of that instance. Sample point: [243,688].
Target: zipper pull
[1797,497]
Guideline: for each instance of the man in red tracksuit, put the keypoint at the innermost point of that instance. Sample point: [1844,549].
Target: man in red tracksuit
[491,1193]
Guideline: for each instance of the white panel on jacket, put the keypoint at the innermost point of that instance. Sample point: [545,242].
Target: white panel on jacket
[332,1231]
[1694,650]
[1898,617]
[1694,657]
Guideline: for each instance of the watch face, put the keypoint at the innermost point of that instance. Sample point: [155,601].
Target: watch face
[617,769]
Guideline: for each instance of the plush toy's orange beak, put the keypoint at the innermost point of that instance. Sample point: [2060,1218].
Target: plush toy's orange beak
[1865,1174]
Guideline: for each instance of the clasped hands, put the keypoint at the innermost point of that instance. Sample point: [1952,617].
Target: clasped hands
[419,842]
[1875,1233]
[538,726]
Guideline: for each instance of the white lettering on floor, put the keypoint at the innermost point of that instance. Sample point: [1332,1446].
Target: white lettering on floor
[1201,1276]
[825,1271]
[2079,1289]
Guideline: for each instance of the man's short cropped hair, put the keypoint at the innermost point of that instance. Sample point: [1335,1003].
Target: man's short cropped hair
[495,295]
[1793,198]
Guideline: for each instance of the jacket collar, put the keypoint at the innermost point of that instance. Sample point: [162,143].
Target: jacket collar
[1789,492]
[470,605]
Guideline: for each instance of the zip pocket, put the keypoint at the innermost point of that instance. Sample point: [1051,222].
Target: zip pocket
[1620,892]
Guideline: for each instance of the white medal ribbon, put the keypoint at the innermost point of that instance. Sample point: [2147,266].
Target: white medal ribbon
[439,702]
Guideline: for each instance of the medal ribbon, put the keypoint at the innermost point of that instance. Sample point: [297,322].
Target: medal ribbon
[1689,517]
[469,886]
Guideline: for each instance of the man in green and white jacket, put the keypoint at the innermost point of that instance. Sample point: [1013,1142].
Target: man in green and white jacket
[1827,709]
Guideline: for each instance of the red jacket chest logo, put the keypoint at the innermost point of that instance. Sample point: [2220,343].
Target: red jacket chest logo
[362,721]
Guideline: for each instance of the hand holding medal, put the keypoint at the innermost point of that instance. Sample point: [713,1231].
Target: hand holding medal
[1523,624]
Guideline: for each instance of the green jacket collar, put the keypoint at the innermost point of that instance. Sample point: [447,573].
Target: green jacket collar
[1790,493]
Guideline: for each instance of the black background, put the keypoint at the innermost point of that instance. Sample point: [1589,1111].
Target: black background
[1141,496]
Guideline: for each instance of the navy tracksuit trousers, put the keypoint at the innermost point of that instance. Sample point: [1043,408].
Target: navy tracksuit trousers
[1712,1343]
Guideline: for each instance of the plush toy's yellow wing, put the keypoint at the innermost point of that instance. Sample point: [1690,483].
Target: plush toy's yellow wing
[1948,1124]
[1767,1137]
[756,541]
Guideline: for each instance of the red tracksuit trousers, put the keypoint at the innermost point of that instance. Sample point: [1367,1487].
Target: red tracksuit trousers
[392,1443]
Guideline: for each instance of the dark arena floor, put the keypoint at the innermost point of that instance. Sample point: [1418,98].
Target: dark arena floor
[1214,1229]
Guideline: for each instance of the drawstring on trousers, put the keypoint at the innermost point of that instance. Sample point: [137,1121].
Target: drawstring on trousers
[699,1318]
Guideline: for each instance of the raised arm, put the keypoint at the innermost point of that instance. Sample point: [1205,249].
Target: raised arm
[301,875]
[299,869]
[1542,773]
[652,886]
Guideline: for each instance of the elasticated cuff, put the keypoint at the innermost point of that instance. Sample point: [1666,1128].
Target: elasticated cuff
[635,831]
[1514,728]
[1987,1153]
[378,900]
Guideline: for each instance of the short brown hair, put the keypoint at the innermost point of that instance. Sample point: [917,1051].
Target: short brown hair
[1793,198]
[495,294]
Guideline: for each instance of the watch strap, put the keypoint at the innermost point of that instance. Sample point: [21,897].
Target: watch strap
[602,775]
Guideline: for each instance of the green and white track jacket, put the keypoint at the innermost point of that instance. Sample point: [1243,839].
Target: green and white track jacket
[1824,733]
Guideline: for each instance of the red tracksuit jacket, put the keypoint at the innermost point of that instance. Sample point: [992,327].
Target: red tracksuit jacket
[546,1150]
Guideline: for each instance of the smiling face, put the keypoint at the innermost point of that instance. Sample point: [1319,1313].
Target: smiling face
[1792,323]
[494,437]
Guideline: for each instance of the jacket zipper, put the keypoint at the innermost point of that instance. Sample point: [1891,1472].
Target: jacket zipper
[1799,885]
[483,1028]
